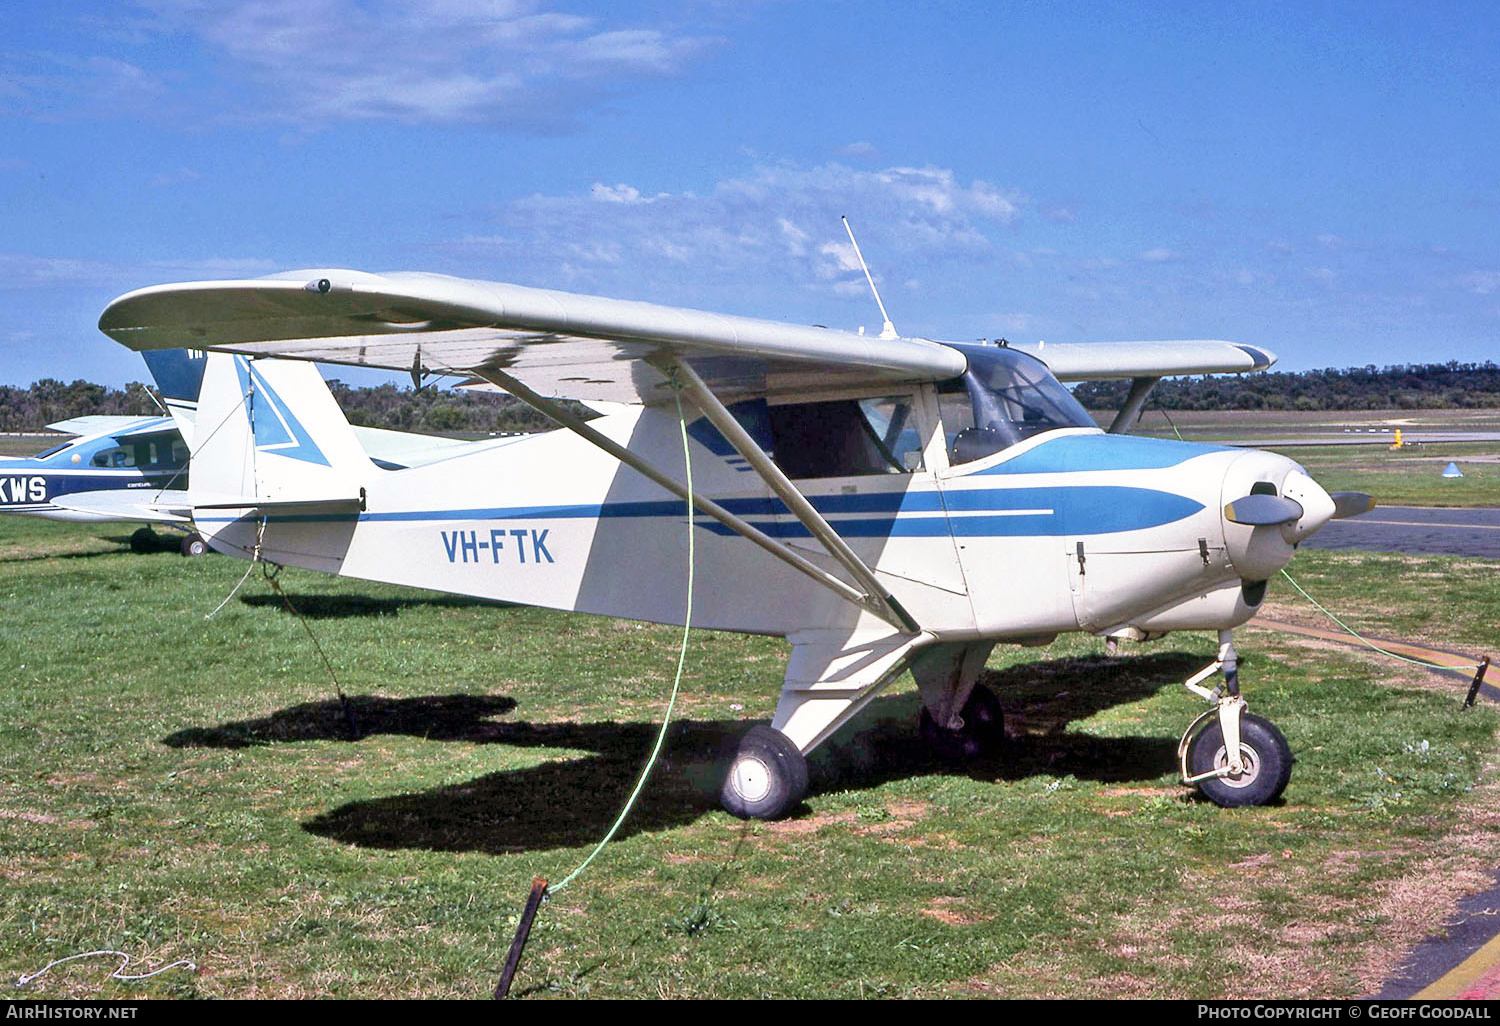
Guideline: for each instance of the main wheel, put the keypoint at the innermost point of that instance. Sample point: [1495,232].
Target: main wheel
[194,545]
[767,778]
[983,729]
[143,541]
[1263,751]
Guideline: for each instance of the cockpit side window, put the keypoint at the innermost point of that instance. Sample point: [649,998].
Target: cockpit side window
[844,437]
[1005,397]
[113,457]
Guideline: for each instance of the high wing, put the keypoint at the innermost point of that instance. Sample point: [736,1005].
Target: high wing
[558,343]
[1090,361]
[581,347]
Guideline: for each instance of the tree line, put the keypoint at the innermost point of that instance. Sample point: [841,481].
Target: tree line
[1431,386]
[427,411]
[433,410]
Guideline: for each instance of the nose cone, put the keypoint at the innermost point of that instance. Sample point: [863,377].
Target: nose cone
[1317,506]
[1270,505]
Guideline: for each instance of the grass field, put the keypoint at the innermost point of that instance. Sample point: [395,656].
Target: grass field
[175,787]
[1409,476]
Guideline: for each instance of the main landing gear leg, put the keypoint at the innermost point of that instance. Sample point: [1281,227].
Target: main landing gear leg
[831,676]
[1233,756]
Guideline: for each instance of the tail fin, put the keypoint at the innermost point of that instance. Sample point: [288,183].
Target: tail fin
[269,433]
[179,378]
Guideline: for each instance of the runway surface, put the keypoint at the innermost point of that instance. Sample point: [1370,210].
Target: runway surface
[1462,963]
[1416,530]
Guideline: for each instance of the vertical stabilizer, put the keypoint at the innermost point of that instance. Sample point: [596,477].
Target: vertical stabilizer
[179,379]
[269,432]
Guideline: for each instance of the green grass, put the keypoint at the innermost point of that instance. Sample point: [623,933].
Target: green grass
[180,788]
[1409,476]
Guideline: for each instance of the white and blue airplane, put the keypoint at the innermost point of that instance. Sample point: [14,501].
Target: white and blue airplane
[120,469]
[886,504]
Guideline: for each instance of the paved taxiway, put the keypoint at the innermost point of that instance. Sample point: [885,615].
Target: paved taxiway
[1416,530]
[1464,962]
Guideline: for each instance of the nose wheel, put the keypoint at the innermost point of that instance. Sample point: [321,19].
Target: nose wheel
[1233,757]
[1265,763]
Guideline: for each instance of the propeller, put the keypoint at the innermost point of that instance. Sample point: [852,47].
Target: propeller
[1264,510]
[1351,504]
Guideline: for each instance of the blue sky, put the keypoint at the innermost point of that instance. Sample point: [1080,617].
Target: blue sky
[1319,179]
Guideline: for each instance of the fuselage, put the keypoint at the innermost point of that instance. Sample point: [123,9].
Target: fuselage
[1068,529]
[149,456]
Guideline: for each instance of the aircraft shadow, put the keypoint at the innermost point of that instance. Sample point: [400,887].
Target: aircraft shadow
[572,801]
[37,557]
[437,717]
[161,542]
[334,607]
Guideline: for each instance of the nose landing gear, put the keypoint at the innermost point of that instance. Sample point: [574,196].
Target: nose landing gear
[1234,757]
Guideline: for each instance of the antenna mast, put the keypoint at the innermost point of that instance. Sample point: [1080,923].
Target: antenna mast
[889,329]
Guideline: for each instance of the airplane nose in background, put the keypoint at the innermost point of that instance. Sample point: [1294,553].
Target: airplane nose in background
[1317,506]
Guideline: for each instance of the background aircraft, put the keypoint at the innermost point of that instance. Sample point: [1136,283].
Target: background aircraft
[886,504]
[120,469]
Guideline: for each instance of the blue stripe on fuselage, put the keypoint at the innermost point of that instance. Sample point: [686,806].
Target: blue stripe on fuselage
[1012,512]
[1074,510]
[1072,454]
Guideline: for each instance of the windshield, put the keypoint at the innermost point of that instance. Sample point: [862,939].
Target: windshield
[1003,398]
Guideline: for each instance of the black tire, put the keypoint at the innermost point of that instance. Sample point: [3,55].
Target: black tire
[194,545]
[1267,758]
[982,733]
[143,541]
[768,777]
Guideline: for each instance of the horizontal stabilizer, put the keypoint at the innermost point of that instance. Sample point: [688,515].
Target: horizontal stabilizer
[349,503]
[129,504]
[1263,510]
[114,426]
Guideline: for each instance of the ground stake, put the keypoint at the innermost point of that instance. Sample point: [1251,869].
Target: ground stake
[1478,680]
[523,930]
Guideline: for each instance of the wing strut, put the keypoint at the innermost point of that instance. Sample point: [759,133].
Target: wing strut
[890,610]
[560,415]
[1130,412]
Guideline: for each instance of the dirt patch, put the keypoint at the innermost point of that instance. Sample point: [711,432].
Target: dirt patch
[807,824]
[943,911]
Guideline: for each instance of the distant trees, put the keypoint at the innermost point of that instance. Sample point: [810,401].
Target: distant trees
[435,411]
[49,400]
[1450,385]
[439,411]
[429,411]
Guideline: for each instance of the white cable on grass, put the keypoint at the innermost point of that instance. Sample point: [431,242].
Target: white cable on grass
[118,974]
[1370,644]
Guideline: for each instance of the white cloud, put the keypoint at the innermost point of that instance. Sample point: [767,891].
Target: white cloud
[25,271]
[616,193]
[509,63]
[48,85]
[777,223]
[1481,283]
[168,179]
[1159,255]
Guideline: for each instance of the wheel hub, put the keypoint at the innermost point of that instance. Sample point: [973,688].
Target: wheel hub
[751,779]
[1248,759]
